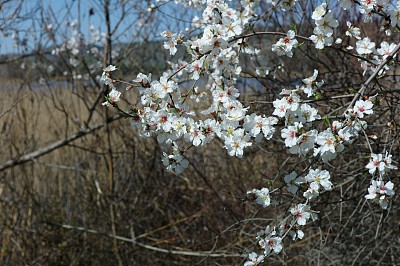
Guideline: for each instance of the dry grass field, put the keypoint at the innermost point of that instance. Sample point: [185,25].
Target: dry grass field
[104,198]
[79,186]
[113,182]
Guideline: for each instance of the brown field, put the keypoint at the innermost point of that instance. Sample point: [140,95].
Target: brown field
[113,182]
[80,187]
[106,199]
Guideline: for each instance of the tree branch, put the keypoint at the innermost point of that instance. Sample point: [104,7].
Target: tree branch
[58,144]
[133,241]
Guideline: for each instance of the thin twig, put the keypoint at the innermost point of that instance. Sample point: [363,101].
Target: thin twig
[133,241]
[360,92]
[56,145]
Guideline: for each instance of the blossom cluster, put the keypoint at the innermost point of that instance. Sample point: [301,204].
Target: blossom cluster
[298,133]
[285,45]
[214,55]
[77,47]
[325,23]
[270,239]
[312,182]
[379,191]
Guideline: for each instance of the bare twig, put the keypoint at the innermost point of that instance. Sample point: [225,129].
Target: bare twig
[360,92]
[56,145]
[133,241]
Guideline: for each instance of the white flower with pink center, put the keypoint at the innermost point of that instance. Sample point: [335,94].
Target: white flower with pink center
[363,107]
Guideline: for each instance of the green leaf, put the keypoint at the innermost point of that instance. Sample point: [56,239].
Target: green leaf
[294,27]
[352,90]
[300,44]
[326,120]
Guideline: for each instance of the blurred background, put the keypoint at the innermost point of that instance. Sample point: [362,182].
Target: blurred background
[79,186]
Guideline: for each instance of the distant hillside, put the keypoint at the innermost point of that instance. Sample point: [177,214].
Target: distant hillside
[131,58]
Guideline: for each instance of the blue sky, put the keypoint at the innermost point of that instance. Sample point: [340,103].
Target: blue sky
[29,24]
[35,14]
